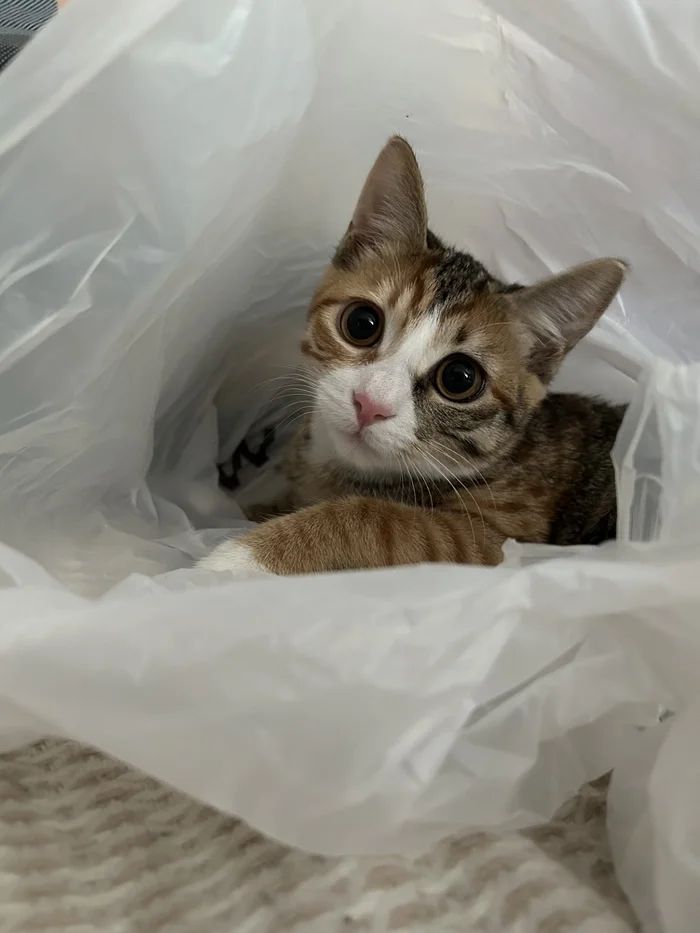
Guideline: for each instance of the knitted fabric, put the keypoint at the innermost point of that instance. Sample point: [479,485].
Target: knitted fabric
[88,844]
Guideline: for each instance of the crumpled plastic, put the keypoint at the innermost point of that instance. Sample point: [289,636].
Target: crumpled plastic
[172,178]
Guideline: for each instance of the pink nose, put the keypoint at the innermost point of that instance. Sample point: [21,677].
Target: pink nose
[369,411]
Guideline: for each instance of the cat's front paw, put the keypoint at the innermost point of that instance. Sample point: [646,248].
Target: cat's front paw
[233,555]
[284,546]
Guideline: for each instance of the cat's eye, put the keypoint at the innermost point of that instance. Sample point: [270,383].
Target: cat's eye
[361,324]
[459,379]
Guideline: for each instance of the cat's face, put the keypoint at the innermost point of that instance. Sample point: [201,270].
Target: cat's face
[421,361]
[411,369]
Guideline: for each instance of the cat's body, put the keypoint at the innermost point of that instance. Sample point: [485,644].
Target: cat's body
[430,435]
[557,485]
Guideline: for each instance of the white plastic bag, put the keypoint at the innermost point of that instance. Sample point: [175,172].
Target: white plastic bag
[172,178]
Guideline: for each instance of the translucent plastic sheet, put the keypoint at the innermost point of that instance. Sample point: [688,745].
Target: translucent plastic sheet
[173,175]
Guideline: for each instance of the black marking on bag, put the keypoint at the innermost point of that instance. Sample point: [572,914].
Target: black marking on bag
[229,472]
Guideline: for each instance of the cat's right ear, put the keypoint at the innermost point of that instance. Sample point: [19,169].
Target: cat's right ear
[391,211]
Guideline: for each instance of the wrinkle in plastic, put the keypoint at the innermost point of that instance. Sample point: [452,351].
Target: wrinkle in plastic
[172,178]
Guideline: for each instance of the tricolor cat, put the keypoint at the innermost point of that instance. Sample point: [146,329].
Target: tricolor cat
[432,436]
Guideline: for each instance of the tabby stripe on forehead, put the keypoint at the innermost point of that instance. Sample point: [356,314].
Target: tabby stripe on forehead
[395,294]
[419,290]
[464,332]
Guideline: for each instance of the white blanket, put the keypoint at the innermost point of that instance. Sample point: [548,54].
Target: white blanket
[88,844]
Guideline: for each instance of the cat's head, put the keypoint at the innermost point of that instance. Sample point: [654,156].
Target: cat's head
[419,358]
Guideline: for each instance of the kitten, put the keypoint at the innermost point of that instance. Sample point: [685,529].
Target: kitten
[432,437]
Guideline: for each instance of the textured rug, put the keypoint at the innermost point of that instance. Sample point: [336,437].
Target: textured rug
[88,845]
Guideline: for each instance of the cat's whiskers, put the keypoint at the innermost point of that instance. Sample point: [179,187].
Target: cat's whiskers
[298,402]
[404,465]
[290,405]
[426,482]
[288,424]
[297,381]
[294,386]
[417,500]
[296,393]
[305,393]
[448,453]
[289,378]
[434,445]
[465,486]
[402,476]
[446,477]
[290,419]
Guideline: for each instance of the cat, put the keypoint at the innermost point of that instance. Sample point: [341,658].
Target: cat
[432,436]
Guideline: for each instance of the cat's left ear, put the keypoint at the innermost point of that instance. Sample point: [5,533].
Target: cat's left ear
[560,310]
